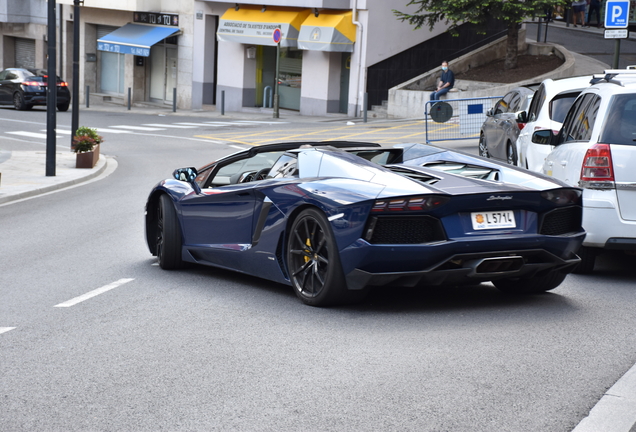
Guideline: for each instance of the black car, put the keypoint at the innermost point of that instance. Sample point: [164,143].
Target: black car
[503,123]
[24,88]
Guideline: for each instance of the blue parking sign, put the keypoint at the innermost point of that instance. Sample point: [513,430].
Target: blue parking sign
[616,14]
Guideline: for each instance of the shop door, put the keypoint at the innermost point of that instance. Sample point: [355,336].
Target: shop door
[163,72]
[345,73]
[290,78]
[24,53]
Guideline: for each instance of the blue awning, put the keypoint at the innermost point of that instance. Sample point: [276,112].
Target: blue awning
[135,39]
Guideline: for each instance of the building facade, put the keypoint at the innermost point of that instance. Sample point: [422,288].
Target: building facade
[141,47]
[23,33]
[317,56]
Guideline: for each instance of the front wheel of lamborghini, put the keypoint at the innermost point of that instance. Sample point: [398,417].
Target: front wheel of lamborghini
[313,261]
[168,235]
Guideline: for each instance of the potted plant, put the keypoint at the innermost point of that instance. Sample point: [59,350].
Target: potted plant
[86,146]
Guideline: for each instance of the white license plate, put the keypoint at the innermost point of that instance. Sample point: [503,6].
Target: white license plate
[493,220]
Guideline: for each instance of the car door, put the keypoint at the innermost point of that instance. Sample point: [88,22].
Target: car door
[5,88]
[525,136]
[495,132]
[565,161]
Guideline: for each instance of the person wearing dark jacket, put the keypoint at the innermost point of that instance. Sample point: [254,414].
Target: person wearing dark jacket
[446,82]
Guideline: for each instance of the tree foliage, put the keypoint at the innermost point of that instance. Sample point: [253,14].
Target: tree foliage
[478,12]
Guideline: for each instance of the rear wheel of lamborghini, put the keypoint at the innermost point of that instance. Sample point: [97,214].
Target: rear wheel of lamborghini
[534,285]
[313,261]
[168,235]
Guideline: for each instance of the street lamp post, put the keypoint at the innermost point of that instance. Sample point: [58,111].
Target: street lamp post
[75,90]
[51,90]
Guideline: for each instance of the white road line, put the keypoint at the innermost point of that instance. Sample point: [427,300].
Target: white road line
[615,412]
[60,131]
[139,128]
[169,126]
[259,122]
[198,124]
[5,329]
[221,123]
[100,130]
[31,134]
[98,291]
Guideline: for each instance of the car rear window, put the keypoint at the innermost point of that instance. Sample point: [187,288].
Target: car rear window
[560,105]
[620,125]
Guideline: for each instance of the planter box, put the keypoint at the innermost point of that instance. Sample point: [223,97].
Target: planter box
[87,159]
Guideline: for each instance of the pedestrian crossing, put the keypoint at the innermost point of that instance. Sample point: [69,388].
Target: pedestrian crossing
[148,127]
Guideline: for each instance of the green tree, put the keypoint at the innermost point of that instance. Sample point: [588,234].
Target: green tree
[479,12]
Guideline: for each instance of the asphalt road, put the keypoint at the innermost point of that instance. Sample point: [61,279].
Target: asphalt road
[205,349]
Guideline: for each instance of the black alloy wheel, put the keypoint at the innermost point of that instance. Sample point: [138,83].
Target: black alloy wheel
[168,235]
[313,260]
[19,103]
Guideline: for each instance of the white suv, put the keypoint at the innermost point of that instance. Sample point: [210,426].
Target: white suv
[550,104]
[596,150]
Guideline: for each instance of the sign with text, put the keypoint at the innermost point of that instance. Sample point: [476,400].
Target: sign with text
[156,18]
[616,34]
[616,14]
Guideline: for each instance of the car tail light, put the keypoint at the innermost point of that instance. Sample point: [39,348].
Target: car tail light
[562,197]
[62,84]
[32,83]
[521,125]
[597,171]
[421,203]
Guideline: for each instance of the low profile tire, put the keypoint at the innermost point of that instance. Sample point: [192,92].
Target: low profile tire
[533,285]
[511,154]
[588,259]
[313,262]
[483,148]
[19,103]
[63,107]
[168,232]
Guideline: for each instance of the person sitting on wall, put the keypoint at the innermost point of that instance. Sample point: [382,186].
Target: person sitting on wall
[445,83]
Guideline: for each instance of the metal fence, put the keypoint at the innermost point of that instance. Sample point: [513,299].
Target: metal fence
[456,119]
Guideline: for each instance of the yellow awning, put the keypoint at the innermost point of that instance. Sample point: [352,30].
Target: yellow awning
[255,25]
[329,31]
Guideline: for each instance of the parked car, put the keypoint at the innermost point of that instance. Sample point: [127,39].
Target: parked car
[499,132]
[24,88]
[333,223]
[549,106]
[596,150]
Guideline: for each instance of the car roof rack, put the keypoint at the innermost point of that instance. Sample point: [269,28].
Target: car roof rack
[611,74]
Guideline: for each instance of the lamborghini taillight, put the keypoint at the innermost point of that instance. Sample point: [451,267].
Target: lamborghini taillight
[597,171]
[420,203]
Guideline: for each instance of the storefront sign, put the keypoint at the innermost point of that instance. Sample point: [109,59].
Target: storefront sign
[156,18]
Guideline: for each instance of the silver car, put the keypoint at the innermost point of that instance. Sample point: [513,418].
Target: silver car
[504,121]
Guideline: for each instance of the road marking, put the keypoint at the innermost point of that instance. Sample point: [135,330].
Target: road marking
[259,122]
[96,292]
[139,128]
[31,134]
[6,329]
[100,130]
[221,123]
[198,124]
[169,126]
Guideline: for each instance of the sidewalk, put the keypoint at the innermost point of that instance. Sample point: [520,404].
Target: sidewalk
[23,174]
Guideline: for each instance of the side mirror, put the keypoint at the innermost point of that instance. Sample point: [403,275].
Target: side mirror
[185,174]
[489,113]
[544,136]
[522,117]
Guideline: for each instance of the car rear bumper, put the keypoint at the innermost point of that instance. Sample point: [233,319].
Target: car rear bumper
[603,223]
[460,262]
[40,99]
